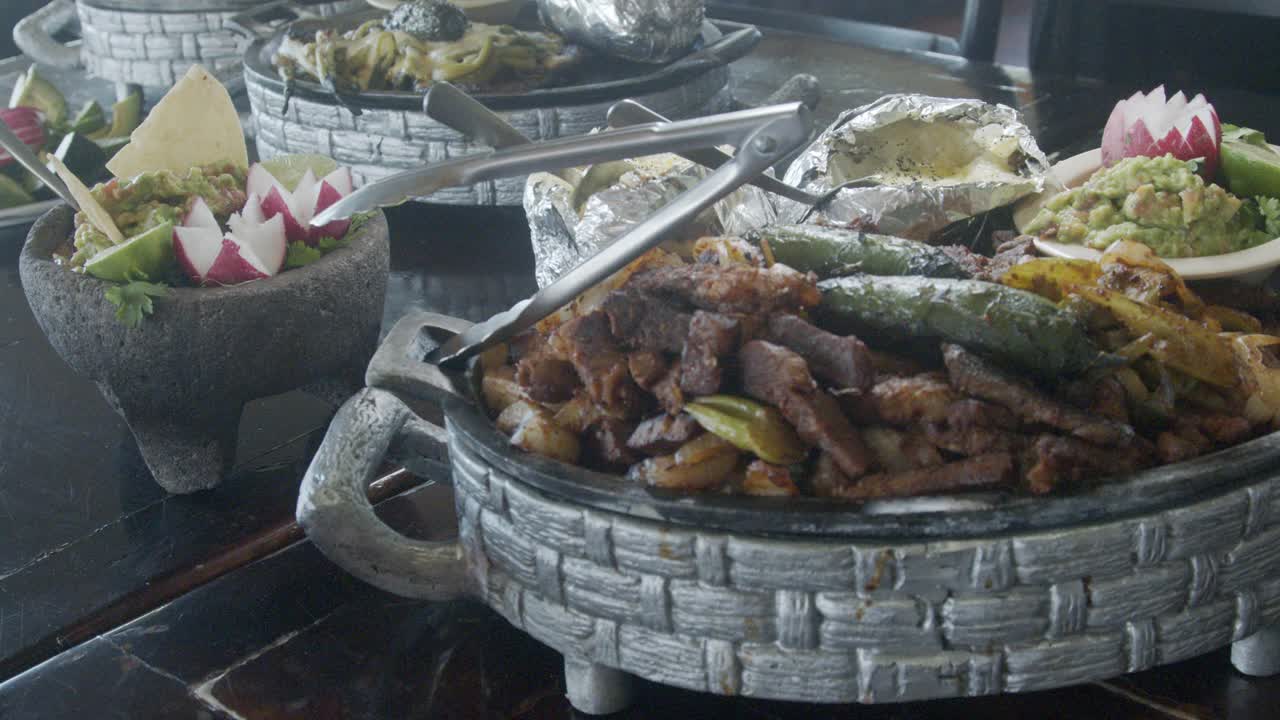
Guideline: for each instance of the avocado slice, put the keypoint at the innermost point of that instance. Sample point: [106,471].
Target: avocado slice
[126,115]
[1250,170]
[12,194]
[32,90]
[90,119]
[82,156]
[147,255]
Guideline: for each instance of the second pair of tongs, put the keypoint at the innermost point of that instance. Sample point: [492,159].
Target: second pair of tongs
[762,137]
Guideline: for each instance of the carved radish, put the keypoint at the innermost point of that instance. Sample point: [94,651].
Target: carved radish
[1149,125]
[306,200]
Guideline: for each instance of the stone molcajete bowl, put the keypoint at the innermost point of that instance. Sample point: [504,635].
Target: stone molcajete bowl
[181,378]
[800,598]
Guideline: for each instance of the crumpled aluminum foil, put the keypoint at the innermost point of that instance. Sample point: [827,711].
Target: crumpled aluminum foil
[876,142]
[578,212]
[655,31]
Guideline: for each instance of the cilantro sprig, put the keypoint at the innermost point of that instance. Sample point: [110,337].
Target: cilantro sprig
[133,300]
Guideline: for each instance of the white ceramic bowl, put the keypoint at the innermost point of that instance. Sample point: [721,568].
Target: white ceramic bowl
[1252,265]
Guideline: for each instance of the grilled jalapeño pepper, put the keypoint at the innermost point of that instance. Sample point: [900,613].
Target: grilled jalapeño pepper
[750,426]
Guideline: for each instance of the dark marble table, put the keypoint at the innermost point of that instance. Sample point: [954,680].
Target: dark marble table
[117,600]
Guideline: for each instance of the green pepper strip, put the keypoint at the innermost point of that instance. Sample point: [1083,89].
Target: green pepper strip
[455,70]
[749,426]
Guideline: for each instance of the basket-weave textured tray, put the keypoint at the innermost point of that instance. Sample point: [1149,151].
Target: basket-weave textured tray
[156,49]
[382,141]
[844,621]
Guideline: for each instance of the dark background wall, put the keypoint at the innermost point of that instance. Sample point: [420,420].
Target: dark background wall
[11,11]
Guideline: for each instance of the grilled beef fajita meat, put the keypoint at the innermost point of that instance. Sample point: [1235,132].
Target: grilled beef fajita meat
[733,289]
[546,378]
[975,376]
[1054,460]
[647,367]
[841,362]
[780,377]
[981,472]
[599,362]
[710,377]
[642,322]
[712,337]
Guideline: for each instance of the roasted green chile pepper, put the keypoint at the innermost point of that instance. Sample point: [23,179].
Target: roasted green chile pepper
[749,426]
[832,252]
[1014,326]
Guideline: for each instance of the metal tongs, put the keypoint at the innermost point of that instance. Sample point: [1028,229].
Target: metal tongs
[762,136]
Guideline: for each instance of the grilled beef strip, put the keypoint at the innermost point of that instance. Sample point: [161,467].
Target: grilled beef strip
[973,440]
[1223,429]
[1054,460]
[780,377]
[640,321]
[841,362]
[974,376]
[978,472]
[733,289]
[647,367]
[664,433]
[1012,252]
[546,378]
[600,364]
[970,413]
[667,390]
[902,401]
[712,337]
[896,450]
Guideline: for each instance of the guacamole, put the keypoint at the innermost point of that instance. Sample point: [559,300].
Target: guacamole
[150,199]
[1160,202]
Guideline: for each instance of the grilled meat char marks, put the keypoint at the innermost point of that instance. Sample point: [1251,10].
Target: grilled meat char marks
[640,321]
[979,472]
[546,378]
[973,375]
[647,367]
[712,337]
[601,365]
[733,289]
[778,376]
[842,362]
[1054,460]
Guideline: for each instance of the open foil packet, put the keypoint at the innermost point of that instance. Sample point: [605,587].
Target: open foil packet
[655,31]
[923,162]
[575,213]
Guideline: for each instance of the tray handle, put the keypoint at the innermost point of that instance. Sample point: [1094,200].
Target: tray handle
[33,35]
[338,518]
[332,506]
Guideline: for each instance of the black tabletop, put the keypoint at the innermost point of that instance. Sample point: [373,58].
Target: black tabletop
[212,605]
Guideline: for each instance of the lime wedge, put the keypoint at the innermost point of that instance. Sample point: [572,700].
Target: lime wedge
[1251,170]
[289,169]
[146,255]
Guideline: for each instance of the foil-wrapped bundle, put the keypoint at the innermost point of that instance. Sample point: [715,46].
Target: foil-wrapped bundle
[655,31]
[915,164]
[576,213]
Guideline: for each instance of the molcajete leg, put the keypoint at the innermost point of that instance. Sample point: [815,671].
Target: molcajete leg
[185,458]
[1258,654]
[595,689]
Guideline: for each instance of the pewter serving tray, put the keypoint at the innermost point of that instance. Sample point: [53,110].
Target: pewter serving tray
[390,132]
